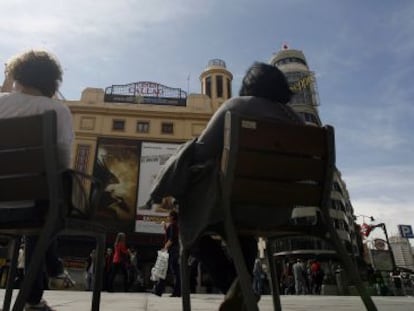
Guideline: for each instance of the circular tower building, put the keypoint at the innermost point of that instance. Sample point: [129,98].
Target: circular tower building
[302,82]
[216,82]
[305,102]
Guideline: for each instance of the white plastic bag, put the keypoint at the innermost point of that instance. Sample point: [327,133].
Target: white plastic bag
[159,271]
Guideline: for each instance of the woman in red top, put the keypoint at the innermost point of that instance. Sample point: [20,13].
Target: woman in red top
[119,261]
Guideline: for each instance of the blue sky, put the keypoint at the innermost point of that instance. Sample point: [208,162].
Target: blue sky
[361,51]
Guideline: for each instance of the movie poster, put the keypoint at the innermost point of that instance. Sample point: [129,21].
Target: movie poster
[117,166]
[153,157]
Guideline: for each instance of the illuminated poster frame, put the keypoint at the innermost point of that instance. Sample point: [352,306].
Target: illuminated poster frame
[117,165]
[153,157]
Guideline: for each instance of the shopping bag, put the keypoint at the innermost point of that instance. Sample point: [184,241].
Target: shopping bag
[159,271]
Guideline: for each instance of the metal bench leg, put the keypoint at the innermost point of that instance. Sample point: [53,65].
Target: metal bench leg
[97,284]
[350,268]
[235,250]
[37,259]
[15,246]
[274,281]
[185,280]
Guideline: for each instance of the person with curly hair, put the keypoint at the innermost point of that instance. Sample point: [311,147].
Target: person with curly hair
[31,81]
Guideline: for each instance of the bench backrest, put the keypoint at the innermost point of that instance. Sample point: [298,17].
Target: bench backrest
[269,168]
[28,157]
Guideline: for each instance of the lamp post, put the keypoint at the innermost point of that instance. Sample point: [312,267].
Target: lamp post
[369,228]
[384,228]
[363,217]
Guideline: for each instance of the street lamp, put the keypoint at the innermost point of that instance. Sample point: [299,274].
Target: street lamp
[384,228]
[366,229]
[363,217]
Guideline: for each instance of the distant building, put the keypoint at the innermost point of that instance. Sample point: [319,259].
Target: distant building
[402,251]
[125,133]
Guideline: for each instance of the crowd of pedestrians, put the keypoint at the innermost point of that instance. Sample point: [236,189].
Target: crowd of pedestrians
[119,261]
[302,278]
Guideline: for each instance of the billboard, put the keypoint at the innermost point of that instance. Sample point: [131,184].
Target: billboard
[116,166]
[153,156]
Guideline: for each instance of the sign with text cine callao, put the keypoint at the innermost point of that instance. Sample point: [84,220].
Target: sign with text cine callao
[406,231]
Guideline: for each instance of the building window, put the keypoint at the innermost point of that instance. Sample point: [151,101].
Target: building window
[229,88]
[337,187]
[81,165]
[118,125]
[309,117]
[142,127]
[167,128]
[82,157]
[290,60]
[208,86]
[219,84]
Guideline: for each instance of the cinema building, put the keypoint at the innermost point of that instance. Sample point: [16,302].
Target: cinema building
[124,134]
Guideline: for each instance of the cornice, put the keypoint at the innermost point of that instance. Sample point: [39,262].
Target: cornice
[124,111]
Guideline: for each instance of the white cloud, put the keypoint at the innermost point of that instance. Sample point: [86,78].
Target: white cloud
[88,26]
[100,42]
[386,193]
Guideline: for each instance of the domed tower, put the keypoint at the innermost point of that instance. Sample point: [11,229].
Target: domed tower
[302,82]
[216,82]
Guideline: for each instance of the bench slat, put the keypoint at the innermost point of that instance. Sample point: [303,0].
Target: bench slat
[17,162]
[284,138]
[21,132]
[258,165]
[23,188]
[275,194]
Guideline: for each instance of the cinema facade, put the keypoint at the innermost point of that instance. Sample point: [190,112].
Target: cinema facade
[125,133]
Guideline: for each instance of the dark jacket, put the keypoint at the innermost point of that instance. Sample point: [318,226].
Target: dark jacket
[192,174]
[195,186]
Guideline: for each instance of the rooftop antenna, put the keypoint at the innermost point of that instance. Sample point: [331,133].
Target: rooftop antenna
[285,45]
[188,83]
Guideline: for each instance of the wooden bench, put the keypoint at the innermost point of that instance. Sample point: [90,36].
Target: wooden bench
[29,173]
[269,172]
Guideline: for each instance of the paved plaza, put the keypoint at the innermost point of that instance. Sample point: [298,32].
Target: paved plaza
[80,301]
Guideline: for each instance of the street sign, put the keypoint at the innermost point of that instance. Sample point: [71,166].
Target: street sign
[406,231]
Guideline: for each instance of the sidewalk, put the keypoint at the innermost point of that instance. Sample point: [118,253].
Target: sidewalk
[81,301]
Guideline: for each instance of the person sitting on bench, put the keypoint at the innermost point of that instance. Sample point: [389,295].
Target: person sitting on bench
[31,81]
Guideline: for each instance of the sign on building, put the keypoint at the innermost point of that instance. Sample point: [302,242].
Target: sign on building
[406,231]
[145,92]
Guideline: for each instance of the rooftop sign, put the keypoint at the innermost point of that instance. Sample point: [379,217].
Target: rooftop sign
[145,92]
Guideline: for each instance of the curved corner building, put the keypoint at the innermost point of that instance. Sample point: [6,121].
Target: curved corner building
[305,102]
